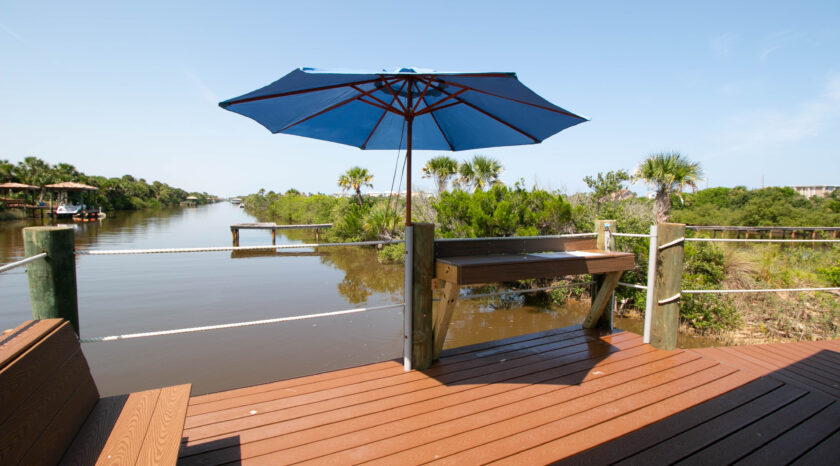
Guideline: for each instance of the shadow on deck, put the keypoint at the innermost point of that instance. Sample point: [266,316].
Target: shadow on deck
[531,399]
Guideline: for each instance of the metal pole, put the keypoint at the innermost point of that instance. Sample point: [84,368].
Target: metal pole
[408,330]
[650,284]
[409,122]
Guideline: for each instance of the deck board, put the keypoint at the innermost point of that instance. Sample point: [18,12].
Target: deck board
[538,398]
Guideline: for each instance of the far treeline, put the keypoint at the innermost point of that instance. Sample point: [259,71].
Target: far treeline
[471,202]
[125,193]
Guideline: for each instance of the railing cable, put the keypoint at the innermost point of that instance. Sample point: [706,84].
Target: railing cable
[22,262]
[236,325]
[229,248]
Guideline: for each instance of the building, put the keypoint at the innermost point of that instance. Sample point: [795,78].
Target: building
[811,191]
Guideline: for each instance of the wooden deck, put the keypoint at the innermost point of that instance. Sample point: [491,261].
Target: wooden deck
[566,393]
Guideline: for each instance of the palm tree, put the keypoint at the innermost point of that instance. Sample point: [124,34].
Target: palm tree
[440,168]
[466,175]
[667,173]
[355,178]
[487,171]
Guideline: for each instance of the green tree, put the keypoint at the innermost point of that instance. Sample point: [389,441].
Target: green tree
[441,168]
[667,173]
[487,171]
[5,171]
[354,179]
[606,187]
[466,176]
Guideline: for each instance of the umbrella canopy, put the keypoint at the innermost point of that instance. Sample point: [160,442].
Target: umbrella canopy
[19,186]
[71,186]
[407,108]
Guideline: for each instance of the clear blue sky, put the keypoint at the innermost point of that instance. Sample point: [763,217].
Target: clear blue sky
[746,88]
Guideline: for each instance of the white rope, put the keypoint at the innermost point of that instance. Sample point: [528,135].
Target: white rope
[769,290]
[665,301]
[569,235]
[671,243]
[229,248]
[633,285]
[631,235]
[22,262]
[236,325]
[734,240]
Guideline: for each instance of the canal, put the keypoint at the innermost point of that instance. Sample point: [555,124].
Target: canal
[138,293]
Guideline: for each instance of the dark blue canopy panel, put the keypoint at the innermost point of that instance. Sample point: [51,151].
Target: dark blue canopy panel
[449,111]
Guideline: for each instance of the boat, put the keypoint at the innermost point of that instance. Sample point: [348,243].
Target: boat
[235,201]
[67,210]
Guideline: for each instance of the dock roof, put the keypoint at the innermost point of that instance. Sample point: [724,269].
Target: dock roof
[71,186]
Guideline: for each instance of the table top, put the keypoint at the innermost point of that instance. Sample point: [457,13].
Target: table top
[465,270]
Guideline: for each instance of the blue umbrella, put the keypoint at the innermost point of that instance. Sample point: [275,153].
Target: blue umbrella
[408,108]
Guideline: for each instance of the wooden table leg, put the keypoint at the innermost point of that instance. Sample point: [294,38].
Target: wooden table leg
[444,316]
[602,298]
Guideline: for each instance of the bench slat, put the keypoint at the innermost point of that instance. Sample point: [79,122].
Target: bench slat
[163,439]
[94,433]
[20,380]
[123,444]
[23,428]
[24,337]
[50,447]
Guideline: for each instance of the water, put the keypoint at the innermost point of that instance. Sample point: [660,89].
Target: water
[138,293]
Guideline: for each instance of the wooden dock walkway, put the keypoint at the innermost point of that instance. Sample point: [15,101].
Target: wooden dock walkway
[566,393]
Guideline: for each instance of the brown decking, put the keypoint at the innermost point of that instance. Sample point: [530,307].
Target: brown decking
[531,399]
[789,415]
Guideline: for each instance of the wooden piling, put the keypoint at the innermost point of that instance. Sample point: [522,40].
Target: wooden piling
[421,312]
[605,321]
[234,233]
[52,280]
[667,284]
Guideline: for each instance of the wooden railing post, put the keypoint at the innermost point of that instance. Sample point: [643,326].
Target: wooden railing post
[52,281]
[601,227]
[421,312]
[665,320]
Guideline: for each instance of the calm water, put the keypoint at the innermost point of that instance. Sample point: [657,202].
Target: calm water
[138,293]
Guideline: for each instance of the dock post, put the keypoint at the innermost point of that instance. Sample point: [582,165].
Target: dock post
[665,319]
[234,233]
[273,236]
[604,229]
[423,246]
[52,281]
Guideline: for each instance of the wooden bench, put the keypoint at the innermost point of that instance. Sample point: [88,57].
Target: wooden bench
[51,413]
[469,262]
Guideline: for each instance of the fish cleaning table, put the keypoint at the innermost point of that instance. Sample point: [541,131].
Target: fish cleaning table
[470,262]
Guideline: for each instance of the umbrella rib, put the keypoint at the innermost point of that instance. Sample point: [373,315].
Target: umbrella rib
[465,88]
[422,95]
[331,107]
[490,115]
[364,145]
[434,118]
[382,104]
[437,105]
[405,110]
[302,91]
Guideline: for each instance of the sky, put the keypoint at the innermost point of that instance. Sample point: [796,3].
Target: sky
[751,90]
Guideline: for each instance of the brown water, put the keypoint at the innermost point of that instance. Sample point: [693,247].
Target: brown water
[138,293]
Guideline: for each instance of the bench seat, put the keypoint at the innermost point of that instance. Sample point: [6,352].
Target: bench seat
[51,412]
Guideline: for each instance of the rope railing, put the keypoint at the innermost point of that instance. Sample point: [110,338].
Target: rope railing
[567,235]
[780,240]
[252,323]
[631,235]
[22,262]
[230,248]
[766,290]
